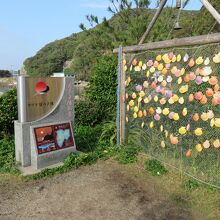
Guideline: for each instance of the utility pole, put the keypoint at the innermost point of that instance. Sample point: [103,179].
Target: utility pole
[12,71]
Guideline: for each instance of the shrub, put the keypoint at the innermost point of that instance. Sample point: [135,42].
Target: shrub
[103,86]
[87,113]
[7,156]
[100,102]
[87,137]
[8,112]
[5,73]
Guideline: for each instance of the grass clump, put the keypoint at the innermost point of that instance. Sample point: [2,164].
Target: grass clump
[74,161]
[127,154]
[190,185]
[155,167]
[7,156]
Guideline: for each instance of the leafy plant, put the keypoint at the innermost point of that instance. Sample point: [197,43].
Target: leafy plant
[155,167]
[109,133]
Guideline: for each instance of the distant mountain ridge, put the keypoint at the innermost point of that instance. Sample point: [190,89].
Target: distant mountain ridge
[79,52]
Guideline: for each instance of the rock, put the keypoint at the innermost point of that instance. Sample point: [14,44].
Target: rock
[41,188]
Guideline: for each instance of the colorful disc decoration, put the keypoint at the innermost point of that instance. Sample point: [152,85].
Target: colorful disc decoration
[173,98]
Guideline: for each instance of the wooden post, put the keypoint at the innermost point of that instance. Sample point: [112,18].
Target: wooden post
[211,9]
[118,95]
[178,42]
[150,26]
[121,100]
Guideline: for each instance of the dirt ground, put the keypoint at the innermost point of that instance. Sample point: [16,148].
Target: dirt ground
[105,191]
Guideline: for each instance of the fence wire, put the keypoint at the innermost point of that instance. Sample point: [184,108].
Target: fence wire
[173,108]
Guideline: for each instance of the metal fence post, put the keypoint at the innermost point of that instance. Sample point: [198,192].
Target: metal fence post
[21,90]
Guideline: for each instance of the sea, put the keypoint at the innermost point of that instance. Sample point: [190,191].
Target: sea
[3,90]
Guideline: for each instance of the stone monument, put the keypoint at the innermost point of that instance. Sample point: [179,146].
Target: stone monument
[44,130]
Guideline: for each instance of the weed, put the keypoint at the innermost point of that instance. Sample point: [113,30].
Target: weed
[155,167]
[191,185]
[181,199]
[47,173]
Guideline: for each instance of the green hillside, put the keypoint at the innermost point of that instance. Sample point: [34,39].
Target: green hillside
[125,28]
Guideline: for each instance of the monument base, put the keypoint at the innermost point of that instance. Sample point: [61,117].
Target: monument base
[31,170]
[40,146]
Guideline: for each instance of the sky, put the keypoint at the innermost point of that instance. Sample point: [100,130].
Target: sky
[27,25]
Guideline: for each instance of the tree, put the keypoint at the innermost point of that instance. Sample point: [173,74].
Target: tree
[125,28]
[122,5]
[116,7]
[5,73]
[82,27]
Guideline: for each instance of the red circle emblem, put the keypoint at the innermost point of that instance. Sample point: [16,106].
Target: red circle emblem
[41,87]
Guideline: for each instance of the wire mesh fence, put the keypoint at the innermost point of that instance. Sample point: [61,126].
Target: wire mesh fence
[172,102]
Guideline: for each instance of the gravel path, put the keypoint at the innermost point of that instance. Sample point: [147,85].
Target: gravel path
[101,191]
